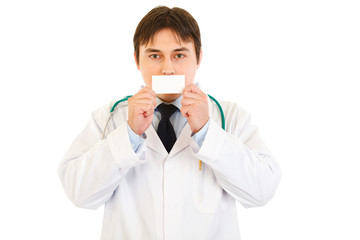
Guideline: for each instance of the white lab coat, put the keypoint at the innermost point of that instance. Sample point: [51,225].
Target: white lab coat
[151,194]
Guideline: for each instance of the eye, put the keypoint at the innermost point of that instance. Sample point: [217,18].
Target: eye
[179,55]
[154,56]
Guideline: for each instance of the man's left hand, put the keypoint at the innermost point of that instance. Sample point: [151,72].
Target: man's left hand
[195,107]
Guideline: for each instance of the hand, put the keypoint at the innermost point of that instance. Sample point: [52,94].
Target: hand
[141,110]
[195,107]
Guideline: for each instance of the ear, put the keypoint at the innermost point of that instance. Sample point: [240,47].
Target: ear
[200,58]
[136,62]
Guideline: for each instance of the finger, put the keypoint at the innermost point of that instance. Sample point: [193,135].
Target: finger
[149,93]
[187,101]
[149,113]
[145,92]
[143,101]
[142,106]
[146,108]
[145,96]
[188,88]
[192,88]
[191,95]
[193,98]
[149,90]
[184,110]
[141,97]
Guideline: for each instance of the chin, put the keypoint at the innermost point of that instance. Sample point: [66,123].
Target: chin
[168,97]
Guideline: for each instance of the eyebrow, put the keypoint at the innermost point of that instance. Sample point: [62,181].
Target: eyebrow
[181,49]
[149,50]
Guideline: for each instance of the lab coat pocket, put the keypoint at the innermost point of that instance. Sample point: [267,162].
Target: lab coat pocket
[207,193]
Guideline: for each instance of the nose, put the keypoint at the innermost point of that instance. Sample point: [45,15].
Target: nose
[168,68]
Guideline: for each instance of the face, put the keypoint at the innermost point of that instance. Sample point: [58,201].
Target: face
[166,55]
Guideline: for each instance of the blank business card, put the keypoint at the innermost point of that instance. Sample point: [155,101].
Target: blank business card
[168,84]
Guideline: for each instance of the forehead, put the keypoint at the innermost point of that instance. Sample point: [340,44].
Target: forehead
[167,39]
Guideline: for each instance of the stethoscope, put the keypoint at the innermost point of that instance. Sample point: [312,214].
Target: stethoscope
[127,97]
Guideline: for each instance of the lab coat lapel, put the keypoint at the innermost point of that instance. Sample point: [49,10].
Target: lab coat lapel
[153,141]
[182,141]
[185,138]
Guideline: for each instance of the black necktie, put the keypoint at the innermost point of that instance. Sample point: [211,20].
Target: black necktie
[165,129]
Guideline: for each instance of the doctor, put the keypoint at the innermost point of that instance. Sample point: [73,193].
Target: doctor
[146,169]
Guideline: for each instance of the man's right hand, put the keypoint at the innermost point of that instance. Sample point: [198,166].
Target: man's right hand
[141,110]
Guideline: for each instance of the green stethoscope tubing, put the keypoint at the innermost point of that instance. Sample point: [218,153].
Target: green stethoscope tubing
[211,97]
[221,111]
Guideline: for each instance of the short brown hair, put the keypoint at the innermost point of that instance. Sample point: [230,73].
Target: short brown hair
[178,20]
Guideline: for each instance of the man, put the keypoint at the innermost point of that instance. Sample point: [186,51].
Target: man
[154,188]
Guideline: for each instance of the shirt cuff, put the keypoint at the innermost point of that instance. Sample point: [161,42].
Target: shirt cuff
[199,137]
[135,140]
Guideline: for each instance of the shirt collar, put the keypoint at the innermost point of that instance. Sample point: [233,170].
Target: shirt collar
[176,102]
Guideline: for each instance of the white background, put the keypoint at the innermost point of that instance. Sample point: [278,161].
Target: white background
[294,65]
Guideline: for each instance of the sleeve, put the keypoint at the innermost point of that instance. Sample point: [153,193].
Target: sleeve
[240,160]
[135,139]
[92,168]
[199,137]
